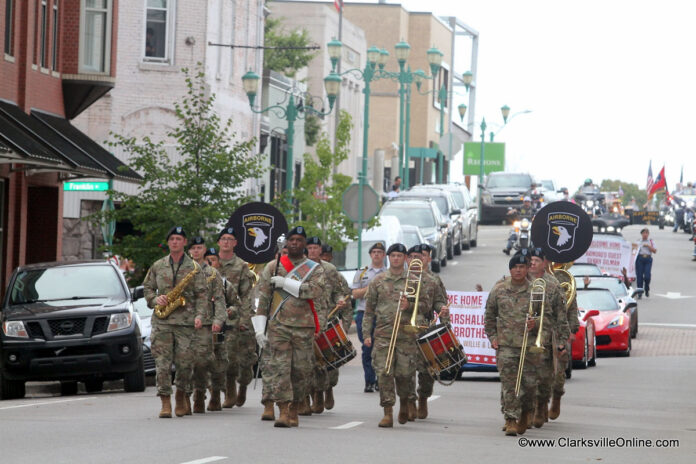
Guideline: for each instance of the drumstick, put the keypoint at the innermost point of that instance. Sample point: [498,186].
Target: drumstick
[333,311]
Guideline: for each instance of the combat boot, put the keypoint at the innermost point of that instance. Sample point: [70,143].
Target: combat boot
[188,405]
[230,394]
[329,398]
[303,407]
[180,403]
[523,422]
[293,416]
[422,407]
[241,396]
[540,414]
[412,410]
[268,411]
[388,419]
[283,418]
[555,410]
[403,410]
[510,427]
[214,403]
[166,410]
[318,402]
[199,402]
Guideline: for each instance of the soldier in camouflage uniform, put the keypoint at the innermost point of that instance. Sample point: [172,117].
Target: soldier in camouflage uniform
[555,308]
[172,337]
[292,324]
[208,355]
[381,305]
[238,283]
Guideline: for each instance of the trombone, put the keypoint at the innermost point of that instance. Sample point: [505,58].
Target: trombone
[411,290]
[537,298]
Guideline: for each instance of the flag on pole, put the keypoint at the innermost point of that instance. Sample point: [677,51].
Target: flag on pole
[338,4]
[659,185]
[681,176]
[649,183]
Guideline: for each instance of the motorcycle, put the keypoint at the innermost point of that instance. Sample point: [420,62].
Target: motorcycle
[520,235]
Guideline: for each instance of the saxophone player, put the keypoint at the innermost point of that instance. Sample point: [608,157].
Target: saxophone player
[172,336]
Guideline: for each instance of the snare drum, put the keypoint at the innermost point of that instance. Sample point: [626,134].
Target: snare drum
[441,349]
[333,345]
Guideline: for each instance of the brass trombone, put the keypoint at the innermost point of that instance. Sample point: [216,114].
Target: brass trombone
[411,290]
[537,298]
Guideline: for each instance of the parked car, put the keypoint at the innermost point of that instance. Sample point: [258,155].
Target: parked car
[412,236]
[584,346]
[585,269]
[449,212]
[612,324]
[425,215]
[469,212]
[625,297]
[69,322]
[549,191]
[145,321]
[501,191]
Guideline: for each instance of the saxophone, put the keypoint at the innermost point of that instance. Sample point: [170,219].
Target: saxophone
[175,298]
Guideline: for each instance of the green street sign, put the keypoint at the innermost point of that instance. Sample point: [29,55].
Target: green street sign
[422,152]
[494,158]
[85,186]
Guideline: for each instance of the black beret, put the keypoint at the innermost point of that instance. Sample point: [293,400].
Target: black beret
[398,247]
[197,241]
[537,252]
[211,252]
[176,230]
[299,230]
[227,230]
[415,249]
[377,246]
[326,249]
[518,259]
[426,248]
[313,241]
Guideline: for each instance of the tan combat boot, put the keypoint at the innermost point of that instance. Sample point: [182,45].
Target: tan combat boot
[284,416]
[293,414]
[268,411]
[199,402]
[230,394]
[329,398]
[422,407]
[412,411]
[241,396]
[180,403]
[303,407]
[166,410]
[403,410]
[388,419]
[214,403]
[523,422]
[317,402]
[540,414]
[555,410]
[510,427]
[188,405]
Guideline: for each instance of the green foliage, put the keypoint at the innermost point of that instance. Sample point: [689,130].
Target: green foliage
[311,129]
[630,191]
[198,189]
[291,59]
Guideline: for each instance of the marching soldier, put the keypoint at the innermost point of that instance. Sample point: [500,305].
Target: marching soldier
[210,356]
[287,296]
[381,306]
[172,337]
[238,282]
[212,257]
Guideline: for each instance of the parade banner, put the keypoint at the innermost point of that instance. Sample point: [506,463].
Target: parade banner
[466,316]
[611,253]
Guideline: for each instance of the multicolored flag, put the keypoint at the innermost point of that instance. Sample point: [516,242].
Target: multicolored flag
[649,183]
[659,185]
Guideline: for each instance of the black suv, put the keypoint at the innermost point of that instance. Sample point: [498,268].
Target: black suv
[69,322]
[501,191]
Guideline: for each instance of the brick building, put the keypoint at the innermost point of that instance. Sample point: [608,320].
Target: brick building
[58,58]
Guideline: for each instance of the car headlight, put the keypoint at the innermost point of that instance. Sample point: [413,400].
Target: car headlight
[616,322]
[119,321]
[618,229]
[610,229]
[590,203]
[603,229]
[486,198]
[15,329]
[525,223]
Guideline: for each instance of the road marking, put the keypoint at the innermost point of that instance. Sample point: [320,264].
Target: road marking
[204,460]
[658,324]
[349,425]
[433,398]
[454,263]
[673,295]
[46,402]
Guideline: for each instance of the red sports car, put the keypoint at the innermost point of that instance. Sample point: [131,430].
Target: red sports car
[584,346]
[612,324]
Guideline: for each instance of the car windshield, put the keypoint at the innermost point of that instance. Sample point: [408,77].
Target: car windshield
[440,201]
[459,199]
[615,286]
[548,185]
[411,238]
[585,269]
[409,214]
[594,299]
[66,283]
[142,309]
[521,181]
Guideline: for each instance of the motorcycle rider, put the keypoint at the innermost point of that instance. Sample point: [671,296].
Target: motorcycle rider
[527,210]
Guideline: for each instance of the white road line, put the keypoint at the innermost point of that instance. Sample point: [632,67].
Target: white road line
[349,425]
[658,324]
[433,398]
[204,460]
[46,402]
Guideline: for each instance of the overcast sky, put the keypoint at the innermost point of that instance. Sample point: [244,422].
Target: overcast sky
[610,83]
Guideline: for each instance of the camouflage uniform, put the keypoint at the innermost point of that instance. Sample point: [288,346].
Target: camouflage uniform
[238,282]
[290,335]
[210,359]
[573,326]
[381,304]
[172,338]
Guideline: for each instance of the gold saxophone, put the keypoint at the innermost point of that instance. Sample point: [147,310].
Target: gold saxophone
[175,298]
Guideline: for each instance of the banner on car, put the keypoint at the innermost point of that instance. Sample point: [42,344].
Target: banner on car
[467,311]
[611,253]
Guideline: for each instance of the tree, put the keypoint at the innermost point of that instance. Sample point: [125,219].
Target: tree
[293,57]
[198,189]
[630,191]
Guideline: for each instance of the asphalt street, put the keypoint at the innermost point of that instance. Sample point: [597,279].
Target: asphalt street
[646,397]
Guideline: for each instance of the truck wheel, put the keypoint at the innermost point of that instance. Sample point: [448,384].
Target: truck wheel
[94,385]
[435,265]
[68,387]
[134,381]
[11,389]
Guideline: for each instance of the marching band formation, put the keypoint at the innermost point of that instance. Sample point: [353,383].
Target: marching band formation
[207,329]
